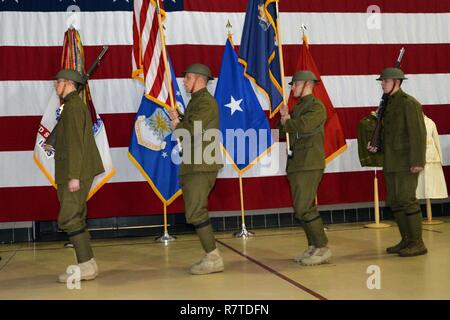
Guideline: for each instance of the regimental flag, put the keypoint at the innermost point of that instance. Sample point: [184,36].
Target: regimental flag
[243,123]
[151,147]
[335,142]
[259,51]
[72,58]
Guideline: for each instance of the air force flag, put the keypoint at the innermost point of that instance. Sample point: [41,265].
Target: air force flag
[151,148]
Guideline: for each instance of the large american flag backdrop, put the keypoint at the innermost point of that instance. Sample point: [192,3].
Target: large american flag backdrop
[349,45]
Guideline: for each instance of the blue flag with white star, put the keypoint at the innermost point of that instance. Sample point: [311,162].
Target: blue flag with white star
[243,123]
[151,147]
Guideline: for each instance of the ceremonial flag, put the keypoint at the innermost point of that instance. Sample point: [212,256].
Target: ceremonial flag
[259,51]
[151,147]
[335,142]
[72,58]
[243,123]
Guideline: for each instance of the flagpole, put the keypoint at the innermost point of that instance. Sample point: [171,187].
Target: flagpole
[163,43]
[166,64]
[304,37]
[166,237]
[280,53]
[243,233]
[377,224]
[165,218]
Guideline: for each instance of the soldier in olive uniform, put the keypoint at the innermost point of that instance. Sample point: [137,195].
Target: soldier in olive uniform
[197,176]
[77,162]
[404,147]
[305,126]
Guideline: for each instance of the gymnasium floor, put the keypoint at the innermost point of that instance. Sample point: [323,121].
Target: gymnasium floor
[257,268]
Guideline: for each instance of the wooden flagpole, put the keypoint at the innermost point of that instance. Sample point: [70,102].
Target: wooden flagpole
[280,54]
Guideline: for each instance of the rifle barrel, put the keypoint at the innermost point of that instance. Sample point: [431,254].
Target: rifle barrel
[96,61]
[400,57]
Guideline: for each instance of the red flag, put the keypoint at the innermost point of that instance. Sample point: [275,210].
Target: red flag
[334,135]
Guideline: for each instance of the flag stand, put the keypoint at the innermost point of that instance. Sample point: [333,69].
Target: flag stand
[243,233]
[166,237]
[377,224]
[429,219]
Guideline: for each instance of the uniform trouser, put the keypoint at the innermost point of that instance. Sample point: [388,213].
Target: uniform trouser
[304,186]
[72,218]
[401,197]
[196,188]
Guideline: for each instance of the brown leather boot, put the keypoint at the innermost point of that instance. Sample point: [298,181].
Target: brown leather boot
[402,223]
[415,247]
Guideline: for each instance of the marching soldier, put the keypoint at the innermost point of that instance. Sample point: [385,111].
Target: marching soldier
[77,162]
[197,179]
[305,124]
[404,146]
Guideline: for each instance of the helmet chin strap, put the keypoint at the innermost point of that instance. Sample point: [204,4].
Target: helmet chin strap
[303,89]
[393,87]
[193,85]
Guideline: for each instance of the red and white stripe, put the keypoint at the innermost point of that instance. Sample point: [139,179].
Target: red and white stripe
[348,55]
[150,39]
[136,60]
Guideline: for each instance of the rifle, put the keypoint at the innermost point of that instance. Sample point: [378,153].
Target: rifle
[51,139]
[376,137]
[94,64]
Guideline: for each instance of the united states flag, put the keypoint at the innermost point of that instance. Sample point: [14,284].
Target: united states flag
[351,42]
[148,52]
